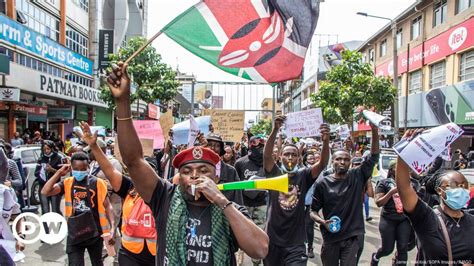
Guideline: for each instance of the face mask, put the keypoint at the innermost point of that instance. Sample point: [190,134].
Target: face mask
[79,175]
[456,198]
[292,171]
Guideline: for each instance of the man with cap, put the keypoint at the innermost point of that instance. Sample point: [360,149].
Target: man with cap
[195,222]
[224,172]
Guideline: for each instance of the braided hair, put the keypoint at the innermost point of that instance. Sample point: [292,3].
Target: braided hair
[433,181]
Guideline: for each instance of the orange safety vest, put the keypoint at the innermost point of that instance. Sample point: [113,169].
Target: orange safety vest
[101,195]
[134,244]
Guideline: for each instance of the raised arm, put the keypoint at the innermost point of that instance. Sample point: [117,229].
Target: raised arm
[143,176]
[114,176]
[317,168]
[374,148]
[51,188]
[268,162]
[407,194]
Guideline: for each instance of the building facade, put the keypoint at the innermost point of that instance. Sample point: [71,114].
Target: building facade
[435,49]
[53,49]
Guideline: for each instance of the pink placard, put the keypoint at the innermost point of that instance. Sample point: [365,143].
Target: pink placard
[150,129]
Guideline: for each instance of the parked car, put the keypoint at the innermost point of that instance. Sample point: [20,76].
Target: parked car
[381,168]
[29,155]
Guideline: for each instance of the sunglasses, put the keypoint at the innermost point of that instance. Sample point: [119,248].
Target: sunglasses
[256,142]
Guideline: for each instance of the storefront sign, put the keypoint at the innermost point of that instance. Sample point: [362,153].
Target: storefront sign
[31,109]
[453,103]
[106,47]
[9,94]
[228,124]
[61,113]
[153,111]
[449,42]
[19,36]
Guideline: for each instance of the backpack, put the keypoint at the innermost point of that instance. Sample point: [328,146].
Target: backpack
[140,223]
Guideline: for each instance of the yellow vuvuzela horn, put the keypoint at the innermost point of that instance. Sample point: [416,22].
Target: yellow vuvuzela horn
[279,183]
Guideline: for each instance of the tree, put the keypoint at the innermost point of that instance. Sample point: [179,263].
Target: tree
[153,79]
[350,85]
[261,127]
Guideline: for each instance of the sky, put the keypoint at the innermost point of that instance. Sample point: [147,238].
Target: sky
[337,18]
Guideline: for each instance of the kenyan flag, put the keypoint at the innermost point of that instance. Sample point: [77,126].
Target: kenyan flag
[259,40]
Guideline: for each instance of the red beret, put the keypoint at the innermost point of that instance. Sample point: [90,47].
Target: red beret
[196,154]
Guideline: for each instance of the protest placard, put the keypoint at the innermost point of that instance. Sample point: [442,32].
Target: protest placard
[150,129]
[303,123]
[343,132]
[228,124]
[419,152]
[147,146]
[380,121]
[193,131]
[166,122]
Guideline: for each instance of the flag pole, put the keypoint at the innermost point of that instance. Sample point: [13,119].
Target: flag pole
[143,47]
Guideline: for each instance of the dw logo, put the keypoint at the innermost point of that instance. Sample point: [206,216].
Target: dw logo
[50,228]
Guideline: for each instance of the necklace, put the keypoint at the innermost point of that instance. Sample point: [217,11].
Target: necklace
[457,222]
[194,223]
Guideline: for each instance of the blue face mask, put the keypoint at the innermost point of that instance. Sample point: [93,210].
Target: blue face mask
[79,175]
[286,171]
[456,198]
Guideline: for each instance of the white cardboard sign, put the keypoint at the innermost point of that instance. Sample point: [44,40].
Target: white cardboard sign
[419,152]
[304,123]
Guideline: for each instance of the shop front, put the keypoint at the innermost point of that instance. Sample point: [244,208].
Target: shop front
[63,104]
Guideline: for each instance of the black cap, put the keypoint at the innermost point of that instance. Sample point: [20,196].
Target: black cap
[216,138]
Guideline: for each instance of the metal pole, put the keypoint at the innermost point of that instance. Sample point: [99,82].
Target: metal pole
[406,87]
[192,98]
[395,80]
[274,103]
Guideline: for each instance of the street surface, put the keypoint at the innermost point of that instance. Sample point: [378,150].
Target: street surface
[51,255]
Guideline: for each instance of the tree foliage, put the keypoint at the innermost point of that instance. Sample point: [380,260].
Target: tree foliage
[261,127]
[153,79]
[350,85]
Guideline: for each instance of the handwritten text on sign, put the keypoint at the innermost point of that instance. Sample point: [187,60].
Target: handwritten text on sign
[150,129]
[228,124]
[304,123]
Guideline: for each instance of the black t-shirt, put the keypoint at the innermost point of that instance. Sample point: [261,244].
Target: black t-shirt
[247,168]
[80,201]
[343,198]
[198,241]
[389,211]
[431,244]
[160,204]
[286,213]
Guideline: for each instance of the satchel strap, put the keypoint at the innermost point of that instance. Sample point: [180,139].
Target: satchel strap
[446,236]
[87,191]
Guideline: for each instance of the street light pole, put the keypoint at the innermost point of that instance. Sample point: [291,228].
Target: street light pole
[395,70]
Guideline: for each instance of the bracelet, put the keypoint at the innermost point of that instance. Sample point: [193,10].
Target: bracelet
[124,119]
[226,205]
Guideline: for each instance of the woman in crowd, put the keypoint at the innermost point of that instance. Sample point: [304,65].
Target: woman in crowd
[48,164]
[445,233]
[230,156]
[394,225]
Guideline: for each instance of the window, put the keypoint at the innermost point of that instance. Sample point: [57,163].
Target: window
[27,157]
[372,55]
[76,41]
[440,12]
[383,48]
[415,28]
[466,68]
[437,75]
[414,84]
[399,38]
[399,86]
[39,20]
[462,5]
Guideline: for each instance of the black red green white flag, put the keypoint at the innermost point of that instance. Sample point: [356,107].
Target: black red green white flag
[259,40]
